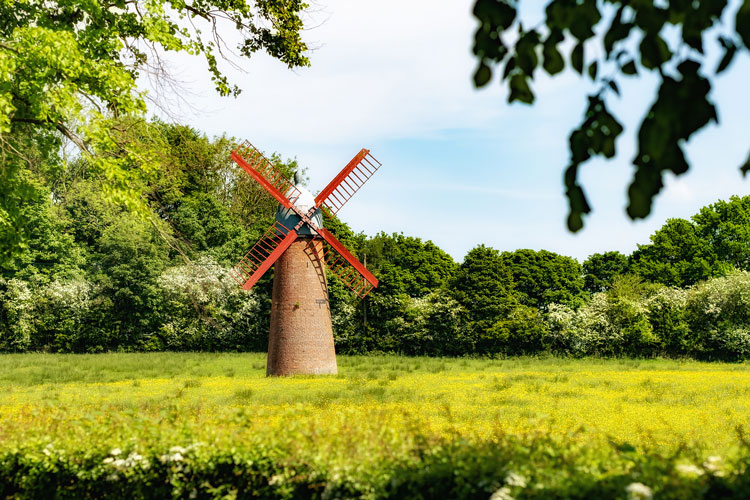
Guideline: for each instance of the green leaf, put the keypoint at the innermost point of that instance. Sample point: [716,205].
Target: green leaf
[560,14]
[579,146]
[519,89]
[482,75]
[654,51]
[575,222]
[617,31]
[576,58]
[650,18]
[592,70]
[595,136]
[509,67]
[526,57]
[681,108]
[745,169]
[730,49]
[629,68]
[553,60]
[576,199]
[488,45]
[742,23]
[585,17]
[499,13]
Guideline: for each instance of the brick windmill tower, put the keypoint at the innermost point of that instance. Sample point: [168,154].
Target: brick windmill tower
[301,335]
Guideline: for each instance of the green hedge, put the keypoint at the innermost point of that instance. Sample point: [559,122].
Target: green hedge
[544,467]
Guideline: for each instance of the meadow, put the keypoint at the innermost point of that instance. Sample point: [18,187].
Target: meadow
[203,425]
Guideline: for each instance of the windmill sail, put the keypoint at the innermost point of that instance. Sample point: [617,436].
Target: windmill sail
[345,266]
[351,178]
[262,255]
[263,171]
[279,238]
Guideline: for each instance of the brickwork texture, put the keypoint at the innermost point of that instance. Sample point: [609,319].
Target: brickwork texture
[301,335]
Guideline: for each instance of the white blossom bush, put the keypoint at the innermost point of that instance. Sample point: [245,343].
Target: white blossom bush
[203,307]
[718,314]
[667,315]
[16,315]
[434,325]
[62,312]
[607,325]
[709,320]
[343,319]
[50,316]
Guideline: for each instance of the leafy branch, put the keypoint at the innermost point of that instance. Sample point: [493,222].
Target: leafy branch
[632,40]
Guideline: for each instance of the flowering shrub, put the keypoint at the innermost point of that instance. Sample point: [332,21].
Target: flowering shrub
[197,306]
[202,308]
[718,314]
[666,314]
[16,312]
[709,320]
[605,326]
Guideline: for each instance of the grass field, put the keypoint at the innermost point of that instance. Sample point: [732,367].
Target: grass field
[378,410]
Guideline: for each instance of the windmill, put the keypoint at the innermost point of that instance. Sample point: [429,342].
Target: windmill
[301,335]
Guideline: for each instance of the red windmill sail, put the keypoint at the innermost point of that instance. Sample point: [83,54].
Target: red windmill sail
[352,177]
[278,238]
[262,255]
[263,171]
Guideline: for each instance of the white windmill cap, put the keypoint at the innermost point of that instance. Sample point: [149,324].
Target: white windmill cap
[304,202]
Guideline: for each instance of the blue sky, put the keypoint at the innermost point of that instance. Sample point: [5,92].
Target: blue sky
[460,166]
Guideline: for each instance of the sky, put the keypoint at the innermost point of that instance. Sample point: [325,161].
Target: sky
[461,167]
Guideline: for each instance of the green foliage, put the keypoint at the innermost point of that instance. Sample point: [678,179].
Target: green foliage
[718,314]
[667,315]
[507,466]
[522,331]
[432,325]
[483,285]
[600,269]
[626,38]
[712,243]
[707,321]
[96,277]
[417,267]
[68,70]
[201,308]
[611,324]
[725,225]
[677,256]
[541,278]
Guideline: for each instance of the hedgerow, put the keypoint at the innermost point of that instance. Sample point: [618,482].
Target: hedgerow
[500,469]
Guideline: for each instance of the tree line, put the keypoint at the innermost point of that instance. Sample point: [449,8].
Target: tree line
[96,276]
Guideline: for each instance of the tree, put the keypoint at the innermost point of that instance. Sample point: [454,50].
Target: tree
[600,269]
[420,267]
[483,285]
[541,278]
[409,270]
[725,226]
[613,40]
[68,69]
[676,256]
[712,243]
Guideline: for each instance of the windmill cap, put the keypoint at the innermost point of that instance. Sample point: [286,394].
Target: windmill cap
[304,202]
